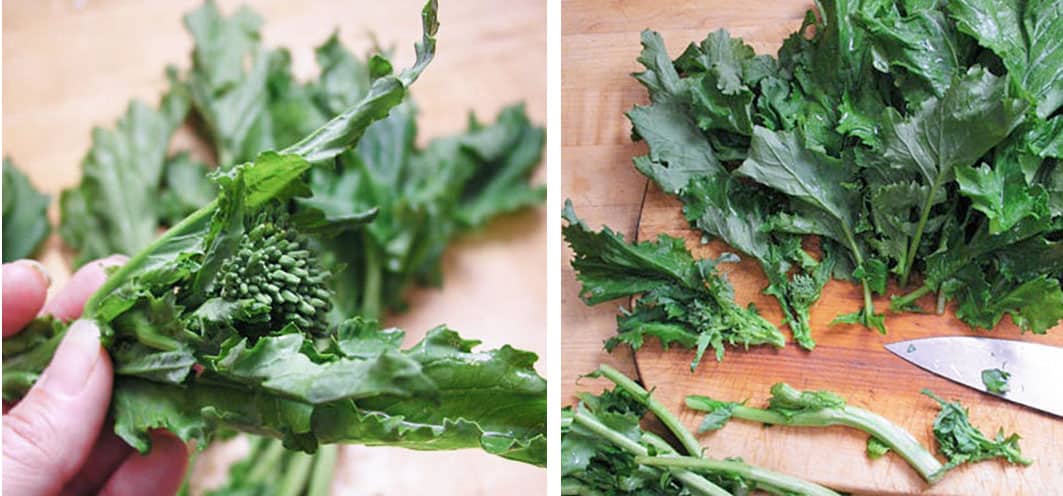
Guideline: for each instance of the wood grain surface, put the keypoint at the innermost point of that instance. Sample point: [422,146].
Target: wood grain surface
[601,42]
[71,65]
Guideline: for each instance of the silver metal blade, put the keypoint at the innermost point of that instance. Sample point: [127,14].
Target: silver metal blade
[1036,369]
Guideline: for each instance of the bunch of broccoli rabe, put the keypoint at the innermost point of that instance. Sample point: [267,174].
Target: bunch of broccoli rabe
[920,141]
[606,450]
[255,310]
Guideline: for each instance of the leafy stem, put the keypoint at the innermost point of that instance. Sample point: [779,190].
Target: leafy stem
[187,225]
[902,302]
[689,442]
[780,483]
[821,409]
[693,482]
[373,277]
[928,203]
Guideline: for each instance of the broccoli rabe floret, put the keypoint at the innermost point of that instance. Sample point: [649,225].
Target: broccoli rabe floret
[275,266]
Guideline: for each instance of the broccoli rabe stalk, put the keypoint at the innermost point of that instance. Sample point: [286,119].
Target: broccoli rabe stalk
[637,393]
[961,442]
[766,480]
[219,323]
[604,450]
[693,482]
[789,406]
[270,470]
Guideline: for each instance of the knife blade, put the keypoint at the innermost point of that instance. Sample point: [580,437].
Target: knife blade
[1036,369]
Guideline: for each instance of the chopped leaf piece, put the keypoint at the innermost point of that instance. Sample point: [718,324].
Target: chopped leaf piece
[996,380]
[961,442]
[875,448]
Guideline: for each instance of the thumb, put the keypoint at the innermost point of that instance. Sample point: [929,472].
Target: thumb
[49,434]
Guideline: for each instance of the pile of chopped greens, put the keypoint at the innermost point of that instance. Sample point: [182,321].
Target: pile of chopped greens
[240,317]
[920,141]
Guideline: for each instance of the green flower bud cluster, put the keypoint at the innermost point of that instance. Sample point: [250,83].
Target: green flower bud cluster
[274,266]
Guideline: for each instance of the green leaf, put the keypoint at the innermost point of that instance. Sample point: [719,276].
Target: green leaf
[426,198]
[385,92]
[974,115]
[1002,194]
[185,188]
[25,215]
[1035,305]
[275,364]
[344,78]
[489,399]
[1025,36]
[115,208]
[231,100]
[726,208]
[678,150]
[960,442]
[508,153]
[923,43]
[682,300]
[720,100]
[719,412]
[862,317]
[822,196]
[875,448]
[779,161]
[996,380]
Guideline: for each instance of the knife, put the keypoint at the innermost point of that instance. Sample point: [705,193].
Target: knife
[1036,369]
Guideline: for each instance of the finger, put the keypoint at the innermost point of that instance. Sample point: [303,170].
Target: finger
[71,300]
[48,435]
[25,288]
[161,471]
[107,455]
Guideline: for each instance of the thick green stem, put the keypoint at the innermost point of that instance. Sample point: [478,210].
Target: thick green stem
[295,474]
[689,442]
[266,463]
[694,482]
[869,305]
[762,477]
[919,228]
[373,277]
[324,469]
[904,301]
[898,439]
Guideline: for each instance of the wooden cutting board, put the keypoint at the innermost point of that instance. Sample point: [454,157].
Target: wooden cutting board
[600,42]
[851,361]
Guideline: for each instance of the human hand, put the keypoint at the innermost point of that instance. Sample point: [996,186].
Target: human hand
[54,438]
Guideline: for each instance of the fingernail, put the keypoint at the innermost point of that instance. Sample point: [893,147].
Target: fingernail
[74,360]
[38,268]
